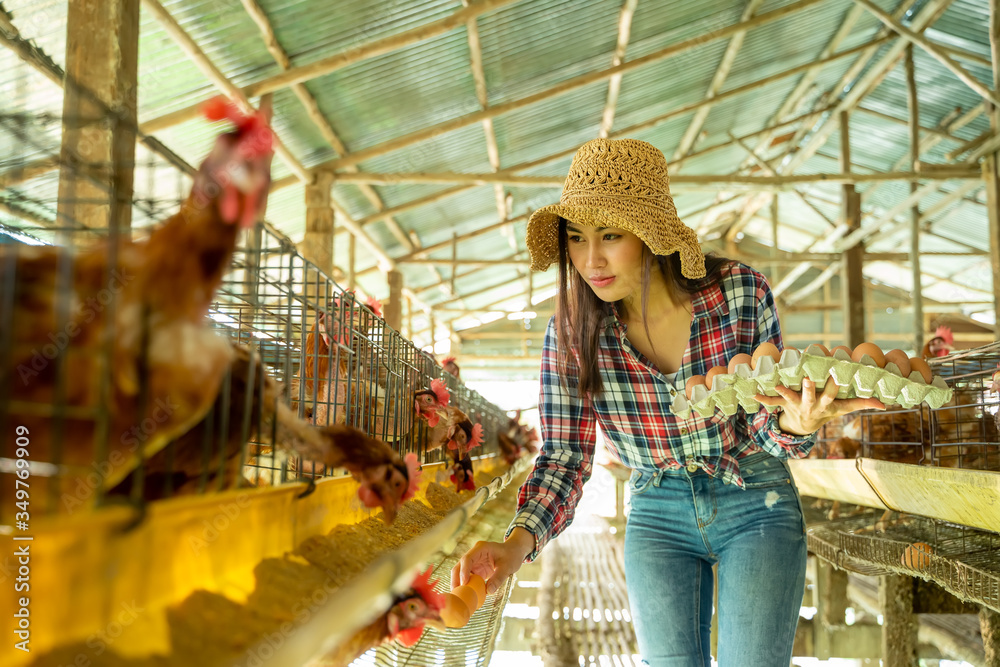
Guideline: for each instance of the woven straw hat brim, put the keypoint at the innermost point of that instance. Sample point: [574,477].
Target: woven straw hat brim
[542,237]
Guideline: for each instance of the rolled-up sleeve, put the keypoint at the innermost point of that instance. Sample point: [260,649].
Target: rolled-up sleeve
[547,500]
[762,427]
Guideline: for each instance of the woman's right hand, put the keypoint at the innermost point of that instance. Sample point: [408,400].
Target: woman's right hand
[494,561]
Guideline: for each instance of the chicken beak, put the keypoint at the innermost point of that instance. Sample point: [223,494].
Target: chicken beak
[389,508]
[436,624]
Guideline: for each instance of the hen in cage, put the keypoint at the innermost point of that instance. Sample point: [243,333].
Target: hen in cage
[345,373]
[133,364]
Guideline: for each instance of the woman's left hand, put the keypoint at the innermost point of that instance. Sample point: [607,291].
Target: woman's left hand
[803,413]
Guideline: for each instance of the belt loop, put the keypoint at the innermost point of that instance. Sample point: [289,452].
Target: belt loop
[657,477]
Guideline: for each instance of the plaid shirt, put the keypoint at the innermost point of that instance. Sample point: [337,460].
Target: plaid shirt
[633,410]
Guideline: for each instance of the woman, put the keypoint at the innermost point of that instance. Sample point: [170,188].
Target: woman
[640,311]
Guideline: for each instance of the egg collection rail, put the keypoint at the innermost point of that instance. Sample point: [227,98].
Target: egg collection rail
[962,560]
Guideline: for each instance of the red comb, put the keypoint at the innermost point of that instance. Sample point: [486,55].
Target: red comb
[440,390]
[413,473]
[375,305]
[944,333]
[447,360]
[424,586]
[477,436]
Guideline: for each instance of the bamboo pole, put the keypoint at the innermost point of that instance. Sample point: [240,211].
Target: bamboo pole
[352,262]
[718,80]
[917,39]
[867,82]
[218,79]
[585,80]
[991,172]
[312,110]
[338,61]
[615,81]
[680,180]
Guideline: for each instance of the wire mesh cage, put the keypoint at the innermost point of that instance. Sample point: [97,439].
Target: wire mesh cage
[157,345]
[960,434]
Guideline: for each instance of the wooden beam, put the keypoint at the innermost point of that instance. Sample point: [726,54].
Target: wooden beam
[394,306]
[942,133]
[312,109]
[194,52]
[479,268]
[867,82]
[690,181]
[471,262]
[798,94]
[991,169]
[339,60]
[899,626]
[102,46]
[690,135]
[588,79]
[317,245]
[932,50]
[852,274]
[615,82]
[912,104]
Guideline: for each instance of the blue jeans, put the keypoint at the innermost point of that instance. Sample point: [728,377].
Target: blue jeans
[683,522]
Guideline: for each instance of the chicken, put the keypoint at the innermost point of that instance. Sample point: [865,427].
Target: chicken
[253,409]
[411,612]
[387,481]
[450,367]
[343,381]
[110,343]
[462,474]
[447,425]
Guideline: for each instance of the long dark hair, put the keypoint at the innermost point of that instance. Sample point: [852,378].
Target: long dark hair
[580,313]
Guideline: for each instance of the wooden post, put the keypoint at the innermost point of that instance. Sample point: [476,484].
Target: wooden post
[394,306]
[990,169]
[852,277]
[99,114]
[409,318]
[917,292]
[317,246]
[774,239]
[454,260]
[832,589]
[352,262]
[989,628]
[899,625]
[433,330]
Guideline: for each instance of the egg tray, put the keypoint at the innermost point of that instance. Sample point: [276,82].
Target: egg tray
[863,379]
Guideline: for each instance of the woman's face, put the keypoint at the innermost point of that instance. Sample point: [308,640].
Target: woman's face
[608,259]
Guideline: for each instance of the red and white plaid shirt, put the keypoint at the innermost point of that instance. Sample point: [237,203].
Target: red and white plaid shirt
[634,408]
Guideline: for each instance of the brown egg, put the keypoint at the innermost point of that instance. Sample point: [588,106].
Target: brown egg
[917,555]
[841,347]
[872,350]
[919,365]
[468,595]
[712,372]
[739,359]
[455,613]
[693,382]
[817,348]
[766,350]
[478,584]
[789,347]
[899,358]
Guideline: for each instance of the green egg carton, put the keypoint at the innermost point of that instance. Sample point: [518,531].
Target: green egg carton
[854,379]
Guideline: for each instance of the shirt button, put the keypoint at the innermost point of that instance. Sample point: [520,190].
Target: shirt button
[692,467]
[684,430]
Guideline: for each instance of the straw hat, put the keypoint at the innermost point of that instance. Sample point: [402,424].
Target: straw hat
[619,183]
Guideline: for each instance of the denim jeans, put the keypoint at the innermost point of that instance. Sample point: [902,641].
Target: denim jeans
[682,523]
